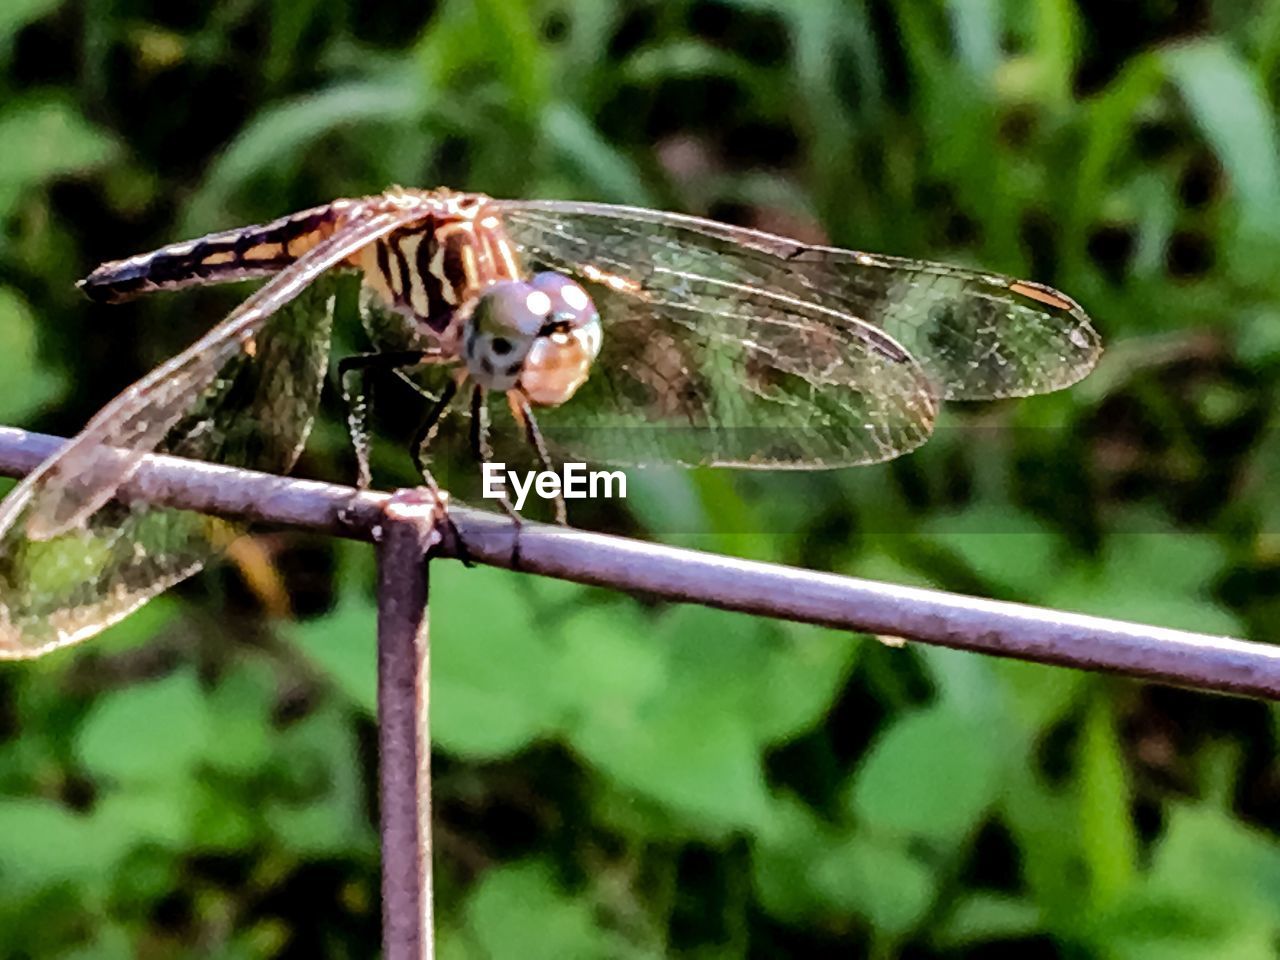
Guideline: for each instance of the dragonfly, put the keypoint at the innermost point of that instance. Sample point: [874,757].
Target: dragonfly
[621,335]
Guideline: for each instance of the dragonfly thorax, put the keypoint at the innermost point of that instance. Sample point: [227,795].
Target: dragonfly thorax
[540,336]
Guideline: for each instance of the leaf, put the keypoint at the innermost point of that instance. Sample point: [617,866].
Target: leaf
[109,940]
[1148,577]
[1108,837]
[976,26]
[933,774]
[42,844]
[981,917]
[805,671]
[31,385]
[137,816]
[1212,856]
[1154,925]
[325,814]
[1057,40]
[222,822]
[610,667]
[493,686]
[878,880]
[46,138]
[1210,892]
[16,14]
[665,498]
[1036,695]
[519,911]
[790,841]
[289,22]
[684,58]
[281,131]
[694,759]
[1230,105]
[343,644]
[604,170]
[509,34]
[148,733]
[1050,852]
[684,712]
[1007,548]
[240,712]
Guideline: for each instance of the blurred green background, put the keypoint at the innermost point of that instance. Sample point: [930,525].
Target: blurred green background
[614,778]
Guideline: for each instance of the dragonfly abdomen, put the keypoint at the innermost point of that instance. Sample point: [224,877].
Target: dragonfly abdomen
[240,254]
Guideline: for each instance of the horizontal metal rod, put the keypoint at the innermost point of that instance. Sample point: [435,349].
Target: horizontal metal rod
[1003,629]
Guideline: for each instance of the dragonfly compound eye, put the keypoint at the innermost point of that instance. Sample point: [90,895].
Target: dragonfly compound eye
[503,327]
[567,344]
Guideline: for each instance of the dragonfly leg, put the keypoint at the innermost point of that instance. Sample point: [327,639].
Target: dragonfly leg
[524,413]
[360,366]
[480,445]
[483,451]
[427,431]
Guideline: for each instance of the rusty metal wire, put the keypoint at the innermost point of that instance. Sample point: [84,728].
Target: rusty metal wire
[409,530]
[1199,661]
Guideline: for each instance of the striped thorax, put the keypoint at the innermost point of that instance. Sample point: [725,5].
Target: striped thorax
[457,274]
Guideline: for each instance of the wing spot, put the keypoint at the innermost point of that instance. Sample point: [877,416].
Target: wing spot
[1043,294]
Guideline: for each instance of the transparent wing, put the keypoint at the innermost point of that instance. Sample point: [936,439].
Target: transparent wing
[977,335]
[702,363]
[73,561]
[256,413]
[677,381]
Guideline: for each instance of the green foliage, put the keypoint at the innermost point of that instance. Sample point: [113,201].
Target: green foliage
[615,778]
[34,387]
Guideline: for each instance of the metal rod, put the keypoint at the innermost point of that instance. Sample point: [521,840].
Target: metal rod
[1024,632]
[409,531]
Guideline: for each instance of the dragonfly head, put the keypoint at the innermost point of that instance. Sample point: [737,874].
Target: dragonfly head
[541,335]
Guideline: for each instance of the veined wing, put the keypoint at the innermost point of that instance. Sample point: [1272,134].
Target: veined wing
[71,561]
[977,335]
[705,362]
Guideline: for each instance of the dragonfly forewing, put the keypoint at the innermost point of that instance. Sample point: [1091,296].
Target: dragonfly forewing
[978,335]
[256,412]
[71,561]
[704,363]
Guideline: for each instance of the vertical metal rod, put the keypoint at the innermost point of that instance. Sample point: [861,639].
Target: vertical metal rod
[404,740]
